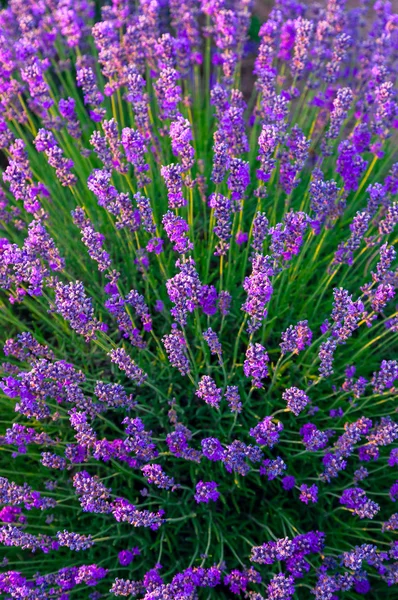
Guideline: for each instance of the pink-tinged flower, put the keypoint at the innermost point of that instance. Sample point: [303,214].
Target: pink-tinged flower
[309,494]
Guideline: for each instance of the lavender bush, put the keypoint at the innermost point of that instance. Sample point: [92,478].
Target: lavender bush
[198,278]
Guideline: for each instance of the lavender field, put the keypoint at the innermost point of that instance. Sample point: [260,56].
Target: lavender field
[198,310]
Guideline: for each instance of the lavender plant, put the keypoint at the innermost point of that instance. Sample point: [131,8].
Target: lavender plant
[198,312]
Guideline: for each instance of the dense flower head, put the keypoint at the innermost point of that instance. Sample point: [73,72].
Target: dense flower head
[266,433]
[308,494]
[92,240]
[120,357]
[272,468]
[259,291]
[184,290]
[212,449]
[209,392]
[212,340]
[206,491]
[175,344]
[46,142]
[176,229]
[356,500]
[296,400]
[198,276]
[233,398]
[296,338]
[181,135]
[255,365]
[222,214]
[72,303]
[154,474]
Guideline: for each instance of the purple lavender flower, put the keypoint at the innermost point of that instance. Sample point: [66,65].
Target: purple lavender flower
[139,441]
[393,458]
[74,541]
[72,303]
[224,302]
[341,106]
[181,135]
[391,524]
[90,574]
[238,180]
[154,474]
[325,202]
[296,338]
[45,142]
[313,438]
[385,377]
[176,229]
[233,398]
[359,226]
[86,79]
[173,180]
[125,587]
[355,499]
[303,28]
[221,160]
[137,301]
[91,239]
[287,237]
[260,230]
[269,138]
[266,432]
[146,213]
[206,491]
[168,92]
[124,512]
[288,482]
[259,291]
[184,290]
[387,224]
[309,493]
[120,357]
[296,400]
[126,557]
[255,365]
[102,150]
[175,345]
[360,474]
[213,342]
[241,238]
[272,468]
[222,214]
[326,355]
[350,165]
[281,587]
[53,461]
[209,392]
[212,449]
[67,111]
[236,454]
[93,495]
[135,148]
